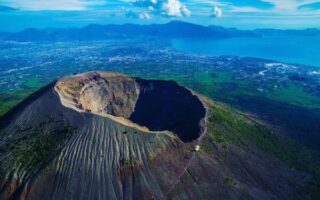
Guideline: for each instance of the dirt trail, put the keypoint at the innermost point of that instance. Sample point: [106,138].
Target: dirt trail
[198,143]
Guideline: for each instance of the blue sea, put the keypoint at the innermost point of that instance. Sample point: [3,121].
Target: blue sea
[288,49]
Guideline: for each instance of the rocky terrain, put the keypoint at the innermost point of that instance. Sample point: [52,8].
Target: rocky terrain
[109,136]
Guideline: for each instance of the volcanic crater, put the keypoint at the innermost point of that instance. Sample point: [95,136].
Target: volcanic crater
[149,105]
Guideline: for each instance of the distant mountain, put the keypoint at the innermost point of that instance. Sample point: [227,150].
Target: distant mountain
[49,34]
[233,32]
[6,8]
[304,32]
[174,29]
[4,34]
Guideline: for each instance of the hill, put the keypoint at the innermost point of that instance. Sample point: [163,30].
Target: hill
[109,136]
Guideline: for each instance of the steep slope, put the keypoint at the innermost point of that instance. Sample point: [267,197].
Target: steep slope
[53,151]
[68,142]
[238,161]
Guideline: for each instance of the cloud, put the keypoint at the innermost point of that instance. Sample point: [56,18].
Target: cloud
[283,13]
[174,8]
[310,6]
[168,8]
[6,8]
[141,15]
[249,10]
[144,15]
[261,4]
[67,5]
[294,5]
[216,12]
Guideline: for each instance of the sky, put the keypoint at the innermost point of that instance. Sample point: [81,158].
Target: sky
[16,15]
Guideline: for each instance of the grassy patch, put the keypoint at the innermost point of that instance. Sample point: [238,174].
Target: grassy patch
[294,94]
[34,82]
[222,77]
[9,100]
[35,148]
[227,126]
[203,78]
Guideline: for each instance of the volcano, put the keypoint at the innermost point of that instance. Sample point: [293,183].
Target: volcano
[101,135]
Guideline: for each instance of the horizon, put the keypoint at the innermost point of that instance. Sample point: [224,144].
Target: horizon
[16,15]
[146,24]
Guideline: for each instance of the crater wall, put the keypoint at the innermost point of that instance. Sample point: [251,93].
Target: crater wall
[155,104]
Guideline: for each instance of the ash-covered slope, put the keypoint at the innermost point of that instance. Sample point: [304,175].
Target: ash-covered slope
[109,136]
[75,140]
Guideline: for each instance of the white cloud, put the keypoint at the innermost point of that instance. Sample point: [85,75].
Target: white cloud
[289,5]
[246,10]
[174,8]
[144,15]
[139,15]
[185,11]
[216,11]
[36,5]
[168,8]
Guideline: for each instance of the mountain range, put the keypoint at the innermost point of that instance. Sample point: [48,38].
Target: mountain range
[173,29]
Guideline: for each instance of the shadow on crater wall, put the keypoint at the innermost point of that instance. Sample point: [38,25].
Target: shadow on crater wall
[164,105]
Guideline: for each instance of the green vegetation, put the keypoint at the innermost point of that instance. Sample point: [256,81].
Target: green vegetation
[35,147]
[222,85]
[222,77]
[204,80]
[34,83]
[9,100]
[296,95]
[227,126]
